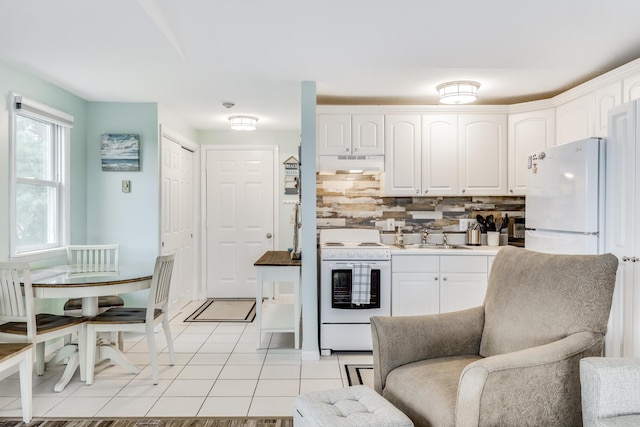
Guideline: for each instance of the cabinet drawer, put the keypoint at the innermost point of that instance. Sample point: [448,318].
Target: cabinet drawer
[463,264]
[416,264]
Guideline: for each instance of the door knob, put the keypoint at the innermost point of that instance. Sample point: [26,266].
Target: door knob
[269,235]
[625,259]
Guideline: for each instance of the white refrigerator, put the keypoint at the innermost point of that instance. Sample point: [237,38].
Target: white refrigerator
[564,207]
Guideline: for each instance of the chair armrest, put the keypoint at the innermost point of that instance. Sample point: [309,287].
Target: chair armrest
[405,339]
[610,387]
[540,384]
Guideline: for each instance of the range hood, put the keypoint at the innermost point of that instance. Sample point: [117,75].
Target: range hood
[350,163]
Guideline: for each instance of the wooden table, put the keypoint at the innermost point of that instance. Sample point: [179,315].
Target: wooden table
[274,316]
[63,281]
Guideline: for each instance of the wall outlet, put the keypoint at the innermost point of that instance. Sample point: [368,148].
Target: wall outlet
[391,224]
[126,186]
[464,224]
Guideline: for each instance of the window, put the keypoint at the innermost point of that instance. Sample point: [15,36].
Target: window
[39,178]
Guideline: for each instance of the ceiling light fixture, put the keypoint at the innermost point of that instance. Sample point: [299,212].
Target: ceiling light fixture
[459,92]
[243,122]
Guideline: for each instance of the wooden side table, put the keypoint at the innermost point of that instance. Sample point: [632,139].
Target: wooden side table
[271,316]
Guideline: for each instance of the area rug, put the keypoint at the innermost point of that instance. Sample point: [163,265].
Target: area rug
[225,310]
[360,374]
[151,422]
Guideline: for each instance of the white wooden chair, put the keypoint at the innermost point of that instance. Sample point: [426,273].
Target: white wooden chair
[94,259]
[21,355]
[20,323]
[123,319]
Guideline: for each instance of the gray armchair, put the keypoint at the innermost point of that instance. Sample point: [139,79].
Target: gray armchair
[514,361]
[610,391]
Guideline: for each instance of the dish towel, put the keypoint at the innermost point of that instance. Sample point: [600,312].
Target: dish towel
[361,284]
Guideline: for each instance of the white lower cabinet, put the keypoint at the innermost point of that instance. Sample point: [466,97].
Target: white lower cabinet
[429,284]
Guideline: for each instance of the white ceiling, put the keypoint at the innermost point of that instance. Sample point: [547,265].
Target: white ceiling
[192,55]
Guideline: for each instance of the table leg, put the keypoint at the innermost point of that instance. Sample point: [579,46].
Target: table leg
[259,290]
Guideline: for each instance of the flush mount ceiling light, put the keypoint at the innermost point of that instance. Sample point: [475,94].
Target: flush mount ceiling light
[460,92]
[243,122]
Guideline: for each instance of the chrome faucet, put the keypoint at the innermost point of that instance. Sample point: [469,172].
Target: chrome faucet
[425,236]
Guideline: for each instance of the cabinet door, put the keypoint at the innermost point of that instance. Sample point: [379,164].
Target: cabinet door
[367,134]
[459,291]
[574,120]
[334,134]
[605,99]
[528,132]
[440,155]
[483,154]
[414,294]
[402,155]
[631,88]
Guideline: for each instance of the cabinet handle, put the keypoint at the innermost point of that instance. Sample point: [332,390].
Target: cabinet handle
[355,149]
[417,191]
[444,278]
[634,259]
[463,190]
[426,191]
[625,259]
[346,149]
[435,278]
[511,191]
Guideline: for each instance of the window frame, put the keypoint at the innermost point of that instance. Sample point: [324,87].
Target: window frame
[61,124]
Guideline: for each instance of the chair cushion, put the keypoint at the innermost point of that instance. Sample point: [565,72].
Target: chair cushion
[123,315]
[535,298]
[351,406]
[427,390]
[103,302]
[44,323]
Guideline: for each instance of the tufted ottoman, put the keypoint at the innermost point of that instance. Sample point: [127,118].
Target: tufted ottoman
[353,406]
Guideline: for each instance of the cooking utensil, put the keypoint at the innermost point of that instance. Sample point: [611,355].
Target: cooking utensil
[490,224]
[482,223]
[498,224]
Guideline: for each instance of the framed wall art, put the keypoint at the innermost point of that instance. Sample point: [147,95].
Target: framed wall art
[120,152]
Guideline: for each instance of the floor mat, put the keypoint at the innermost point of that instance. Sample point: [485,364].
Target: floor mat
[360,374]
[225,310]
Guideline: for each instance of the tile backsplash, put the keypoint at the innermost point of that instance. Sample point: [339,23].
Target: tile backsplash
[354,201]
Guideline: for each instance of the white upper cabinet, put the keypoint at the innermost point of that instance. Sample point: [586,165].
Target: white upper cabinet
[483,154]
[402,160]
[631,88]
[350,134]
[575,119]
[606,98]
[528,132]
[440,154]
[334,134]
[367,134]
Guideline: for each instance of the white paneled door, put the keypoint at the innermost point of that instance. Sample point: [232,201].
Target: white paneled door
[240,192]
[177,219]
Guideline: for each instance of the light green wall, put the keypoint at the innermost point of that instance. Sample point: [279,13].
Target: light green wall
[288,142]
[30,86]
[130,219]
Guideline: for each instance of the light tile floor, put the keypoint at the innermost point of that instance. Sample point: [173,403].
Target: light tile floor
[217,372]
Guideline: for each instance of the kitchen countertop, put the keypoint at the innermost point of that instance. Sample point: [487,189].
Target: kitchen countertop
[472,250]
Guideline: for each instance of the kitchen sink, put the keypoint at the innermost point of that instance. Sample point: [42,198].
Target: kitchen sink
[433,246]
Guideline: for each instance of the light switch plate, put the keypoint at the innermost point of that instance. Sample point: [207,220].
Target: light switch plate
[126,186]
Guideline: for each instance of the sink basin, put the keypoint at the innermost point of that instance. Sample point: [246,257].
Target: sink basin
[434,246]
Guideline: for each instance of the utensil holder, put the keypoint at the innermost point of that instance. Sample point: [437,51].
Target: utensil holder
[493,238]
[473,237]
